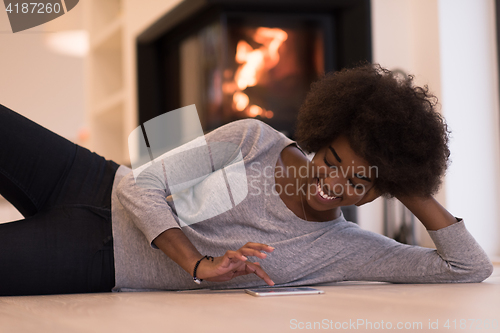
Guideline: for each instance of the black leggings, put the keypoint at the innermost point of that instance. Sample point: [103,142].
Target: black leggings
[64,245]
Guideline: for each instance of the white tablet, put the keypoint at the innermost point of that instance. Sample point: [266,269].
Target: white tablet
[283,291]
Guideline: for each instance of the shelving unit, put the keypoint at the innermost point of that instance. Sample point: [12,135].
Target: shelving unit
[105,80]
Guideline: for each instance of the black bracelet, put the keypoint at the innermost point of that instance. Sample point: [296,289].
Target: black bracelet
[195,279]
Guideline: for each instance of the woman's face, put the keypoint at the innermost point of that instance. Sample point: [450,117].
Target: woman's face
[338,177]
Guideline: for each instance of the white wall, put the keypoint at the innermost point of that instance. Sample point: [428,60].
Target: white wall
[469,75]
[42,85]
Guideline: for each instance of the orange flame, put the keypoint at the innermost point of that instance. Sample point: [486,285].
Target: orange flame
[240,100]
[253,63]
[255,60]
[272,40]
[254,111]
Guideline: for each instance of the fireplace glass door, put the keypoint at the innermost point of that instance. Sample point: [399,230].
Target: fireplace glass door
[252,66]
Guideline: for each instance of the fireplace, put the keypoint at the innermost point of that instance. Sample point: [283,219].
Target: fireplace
[237,59]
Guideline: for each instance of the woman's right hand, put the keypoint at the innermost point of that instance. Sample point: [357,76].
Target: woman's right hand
[235,263]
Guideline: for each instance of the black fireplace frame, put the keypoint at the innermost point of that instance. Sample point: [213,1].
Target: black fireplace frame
[351,35]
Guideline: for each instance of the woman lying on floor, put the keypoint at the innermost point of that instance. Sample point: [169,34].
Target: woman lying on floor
[94,226]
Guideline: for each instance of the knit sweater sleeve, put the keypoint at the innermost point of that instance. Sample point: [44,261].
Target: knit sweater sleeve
[457,258]
[208,165]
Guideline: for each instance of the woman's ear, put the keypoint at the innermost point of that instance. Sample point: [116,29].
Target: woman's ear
[369,196]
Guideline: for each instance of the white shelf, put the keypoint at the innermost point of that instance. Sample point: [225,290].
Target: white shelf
[105,79]
[112,102]
[102,13]
[110,36]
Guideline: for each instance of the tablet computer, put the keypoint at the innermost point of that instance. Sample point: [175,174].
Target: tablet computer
[283,291]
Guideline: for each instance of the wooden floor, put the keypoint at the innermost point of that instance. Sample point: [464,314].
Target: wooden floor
[355,306]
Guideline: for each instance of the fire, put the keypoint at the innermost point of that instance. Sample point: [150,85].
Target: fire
[240,100]
[272,40]
[253,62]
[254,111]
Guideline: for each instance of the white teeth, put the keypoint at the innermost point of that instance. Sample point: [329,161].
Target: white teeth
[323,195]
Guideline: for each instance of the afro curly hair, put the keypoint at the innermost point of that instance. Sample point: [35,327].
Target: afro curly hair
[387,120]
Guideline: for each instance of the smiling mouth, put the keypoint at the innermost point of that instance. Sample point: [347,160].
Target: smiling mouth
[322,193]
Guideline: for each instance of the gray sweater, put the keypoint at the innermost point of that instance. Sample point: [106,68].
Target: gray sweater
[224,198]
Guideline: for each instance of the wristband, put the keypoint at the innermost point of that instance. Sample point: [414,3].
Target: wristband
[195,279]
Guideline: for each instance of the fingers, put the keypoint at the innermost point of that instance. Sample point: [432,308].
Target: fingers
[231,257]
[247,250]
[233,261]
[254,249]
[259,246]
[257,270]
